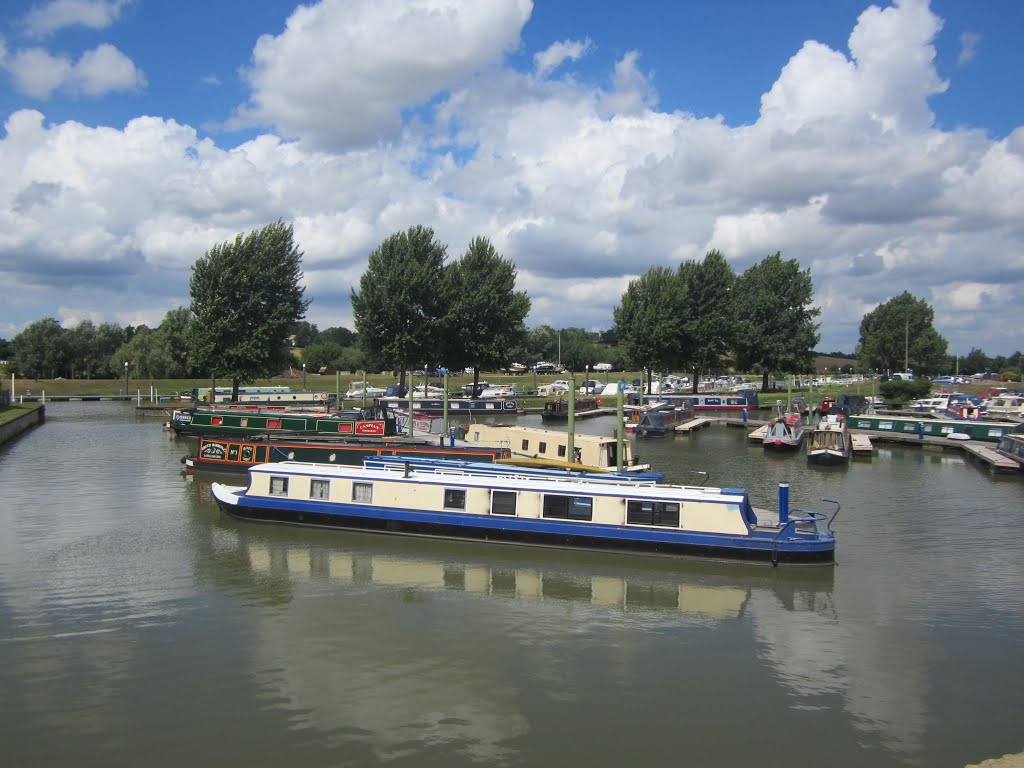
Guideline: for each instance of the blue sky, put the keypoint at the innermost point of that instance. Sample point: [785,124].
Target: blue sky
[881,146]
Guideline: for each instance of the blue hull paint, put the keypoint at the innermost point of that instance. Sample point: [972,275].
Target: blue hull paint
[759,546]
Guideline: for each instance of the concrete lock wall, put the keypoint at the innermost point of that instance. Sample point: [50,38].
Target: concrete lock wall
[15,427]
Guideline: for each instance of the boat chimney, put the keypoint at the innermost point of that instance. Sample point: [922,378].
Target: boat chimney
[783,503]
[407,469]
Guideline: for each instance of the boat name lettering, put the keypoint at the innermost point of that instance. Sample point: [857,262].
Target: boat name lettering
[370,428]
[214,451]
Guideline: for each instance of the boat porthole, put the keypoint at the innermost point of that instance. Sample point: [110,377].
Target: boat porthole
[291,455]
[333,456]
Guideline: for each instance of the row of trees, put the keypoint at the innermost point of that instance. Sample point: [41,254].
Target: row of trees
[414,308]
[703,317]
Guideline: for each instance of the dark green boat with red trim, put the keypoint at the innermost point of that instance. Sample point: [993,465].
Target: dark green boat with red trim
[196,422]
[223,454]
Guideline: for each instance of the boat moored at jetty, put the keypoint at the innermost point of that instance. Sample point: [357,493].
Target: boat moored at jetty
[218,454]
[723,404]
[785,432]
[1009,407]
[1013,446]
[261,396]
[659,419]
[558,410]
[369,422]
[457,405]
[931,426]
[571,512]
[830,441]
[553,446]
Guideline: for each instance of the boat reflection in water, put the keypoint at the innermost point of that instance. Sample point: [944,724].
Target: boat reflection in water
[689,586]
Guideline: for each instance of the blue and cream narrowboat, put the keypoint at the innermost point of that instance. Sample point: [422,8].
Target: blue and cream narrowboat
[572,512]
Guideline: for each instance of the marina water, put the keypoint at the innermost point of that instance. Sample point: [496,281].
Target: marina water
[139,625]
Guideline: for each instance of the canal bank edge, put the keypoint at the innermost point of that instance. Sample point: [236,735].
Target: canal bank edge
[18,419]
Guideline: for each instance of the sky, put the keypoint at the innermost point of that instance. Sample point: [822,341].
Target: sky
[881,146]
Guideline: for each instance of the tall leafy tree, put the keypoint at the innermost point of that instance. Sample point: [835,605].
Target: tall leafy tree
[398,304]
[305,333]
[173,341]
[109,336]
[246,299]
[542,344]
[776,330]
[901,332]
[343,337]
[484,322]
[709,329]
[41,350]
[649,320]
[81,345]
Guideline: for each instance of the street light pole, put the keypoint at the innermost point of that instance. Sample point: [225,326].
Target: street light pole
[303,377]
[126,379]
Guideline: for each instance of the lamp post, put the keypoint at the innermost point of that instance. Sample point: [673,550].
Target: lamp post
[126,378]
[586,376]
[303,377]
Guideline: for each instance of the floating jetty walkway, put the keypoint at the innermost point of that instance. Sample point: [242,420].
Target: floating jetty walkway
[863,441]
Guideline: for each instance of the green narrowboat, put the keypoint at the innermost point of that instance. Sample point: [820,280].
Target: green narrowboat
[202,421]
[992,431]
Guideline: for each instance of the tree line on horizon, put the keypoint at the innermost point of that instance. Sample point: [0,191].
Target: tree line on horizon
[416,308]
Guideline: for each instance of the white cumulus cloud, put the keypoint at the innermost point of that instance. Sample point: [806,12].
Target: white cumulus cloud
[343,70]
[98,71]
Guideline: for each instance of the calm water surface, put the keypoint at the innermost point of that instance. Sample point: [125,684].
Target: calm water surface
[138,624]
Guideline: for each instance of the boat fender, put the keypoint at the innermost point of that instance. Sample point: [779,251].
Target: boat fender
[184,458]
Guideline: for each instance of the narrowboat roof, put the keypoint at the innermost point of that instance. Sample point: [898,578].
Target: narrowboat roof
[511,481]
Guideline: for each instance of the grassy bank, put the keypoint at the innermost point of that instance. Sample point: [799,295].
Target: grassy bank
[10,414]
[523,383]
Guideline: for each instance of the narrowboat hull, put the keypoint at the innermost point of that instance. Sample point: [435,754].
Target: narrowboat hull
[991,431]
[455,405]
[198,422]
[217,454]
[558,410]
[783,445]
[733,403]
[827,457]
[1013,445]
[397,521]
[611,514]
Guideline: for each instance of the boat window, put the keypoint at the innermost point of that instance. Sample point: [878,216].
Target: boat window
[278,486]
[526,445]
[503,502]
[542,448]
[319,489]
[664,513]
[362,492]
[561,451]
[454,498]
[568,507]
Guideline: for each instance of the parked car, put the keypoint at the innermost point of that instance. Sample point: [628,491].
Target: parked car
[602,366]
[944,380]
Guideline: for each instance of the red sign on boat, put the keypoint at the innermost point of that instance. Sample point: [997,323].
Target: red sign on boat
[370,428]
